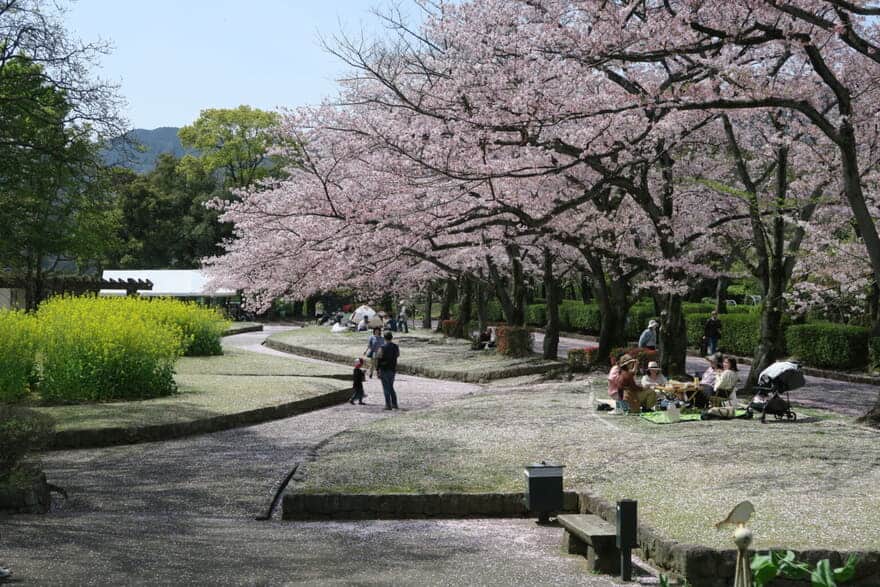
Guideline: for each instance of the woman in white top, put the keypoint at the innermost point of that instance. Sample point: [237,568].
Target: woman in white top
[727,380]
[653,378]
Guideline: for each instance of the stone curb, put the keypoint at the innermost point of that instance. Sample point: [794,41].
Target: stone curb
[31,499]
[101,437]
[702,566]
[242,329]
[313,506]
[422,371]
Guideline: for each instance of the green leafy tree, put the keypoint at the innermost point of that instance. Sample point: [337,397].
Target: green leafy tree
[54,201]
[232,142]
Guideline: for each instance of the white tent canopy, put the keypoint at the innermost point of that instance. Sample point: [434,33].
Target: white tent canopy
[361,312]
[172,283]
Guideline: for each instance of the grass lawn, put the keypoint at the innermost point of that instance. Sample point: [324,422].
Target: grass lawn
[235,382]
[420,347]
[814,483]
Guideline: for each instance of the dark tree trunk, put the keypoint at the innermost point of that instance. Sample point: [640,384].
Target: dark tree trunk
[772,344]
[518,295]
[586,289]
[387,303]
[429,302]
[673,337]
[614,304]
[446,304]
[551,330]
[298,309]
[310,307]
[721,295]
[482,295]
[464,308]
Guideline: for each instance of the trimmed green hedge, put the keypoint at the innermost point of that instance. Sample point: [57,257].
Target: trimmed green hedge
[824,345]
[740,333]
[578,316]
[536,314]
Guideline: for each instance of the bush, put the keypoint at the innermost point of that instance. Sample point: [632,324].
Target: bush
[578,316]
[581,360]
[94,351]
[743,309]
[828,345]
[201,328]
[21,431]
[536,314]
[514,341]
[639,316]
[19,340]
[688,308]
[451,328]
[874,353]
[740,333]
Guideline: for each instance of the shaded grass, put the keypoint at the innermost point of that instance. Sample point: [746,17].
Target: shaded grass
[420,347]
[236,382]
[815,484]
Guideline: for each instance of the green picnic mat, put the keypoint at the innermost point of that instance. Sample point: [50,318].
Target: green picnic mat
[660,417]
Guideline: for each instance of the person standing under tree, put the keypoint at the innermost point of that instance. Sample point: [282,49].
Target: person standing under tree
[373,345]
[648,339]
[712,332]
[387,366]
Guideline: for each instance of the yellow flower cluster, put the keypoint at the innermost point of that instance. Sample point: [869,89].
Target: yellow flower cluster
[97,349]
[19,340]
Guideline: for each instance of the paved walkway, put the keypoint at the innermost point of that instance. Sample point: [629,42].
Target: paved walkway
[183,511]
[849,399]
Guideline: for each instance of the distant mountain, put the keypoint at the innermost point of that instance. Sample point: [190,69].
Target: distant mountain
[139,149]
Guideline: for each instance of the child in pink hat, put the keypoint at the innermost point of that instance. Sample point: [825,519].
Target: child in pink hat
[358,384]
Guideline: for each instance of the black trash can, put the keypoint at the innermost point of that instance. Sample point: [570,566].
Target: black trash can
[544,489]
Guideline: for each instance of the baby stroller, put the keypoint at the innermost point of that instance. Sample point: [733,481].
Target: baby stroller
[780,377]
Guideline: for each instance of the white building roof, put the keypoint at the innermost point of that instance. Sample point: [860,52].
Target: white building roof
[167,282]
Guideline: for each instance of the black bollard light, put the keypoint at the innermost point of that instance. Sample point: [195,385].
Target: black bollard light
[544,490]
[627,534]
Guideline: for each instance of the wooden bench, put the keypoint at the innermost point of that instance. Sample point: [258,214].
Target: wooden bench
[593,537]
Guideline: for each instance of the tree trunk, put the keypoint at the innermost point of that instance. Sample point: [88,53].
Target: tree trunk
[298,309]
[464,308]
[586,289]
[772,344]
[721,295]
[482,295]
[310,307]
[429,302]
[551,330]
[613,306]
[673,338]
[446,304]
[518,294]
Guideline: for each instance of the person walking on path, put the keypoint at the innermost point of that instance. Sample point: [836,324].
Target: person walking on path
[358,383]
[403,319]
[387,366]
[648,339]
[712,332]
[373,345]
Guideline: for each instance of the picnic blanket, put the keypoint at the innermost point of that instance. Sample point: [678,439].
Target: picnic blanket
[660,417]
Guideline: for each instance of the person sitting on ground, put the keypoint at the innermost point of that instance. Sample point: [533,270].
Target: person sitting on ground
[653,378]
[638,398]
[614,391]
[727,380]
[707,382]
[485,338]
[648,339]
[364,324]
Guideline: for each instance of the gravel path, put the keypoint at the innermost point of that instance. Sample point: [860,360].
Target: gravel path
[849,399]
[183,512]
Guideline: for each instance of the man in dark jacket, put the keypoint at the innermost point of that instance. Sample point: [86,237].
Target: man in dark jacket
[387,366]
[712,332]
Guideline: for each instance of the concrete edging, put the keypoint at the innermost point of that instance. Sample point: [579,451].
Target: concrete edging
[702,566]
[323,506]
[418,370]
[101,437]
[241,330]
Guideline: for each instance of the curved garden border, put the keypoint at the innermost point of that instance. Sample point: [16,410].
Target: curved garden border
[101,437]
[402,367]
[241,328]
[701,566]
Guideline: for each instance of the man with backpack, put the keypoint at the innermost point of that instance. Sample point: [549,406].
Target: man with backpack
[387,367]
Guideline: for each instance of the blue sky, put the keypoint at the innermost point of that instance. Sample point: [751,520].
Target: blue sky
[173,58]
